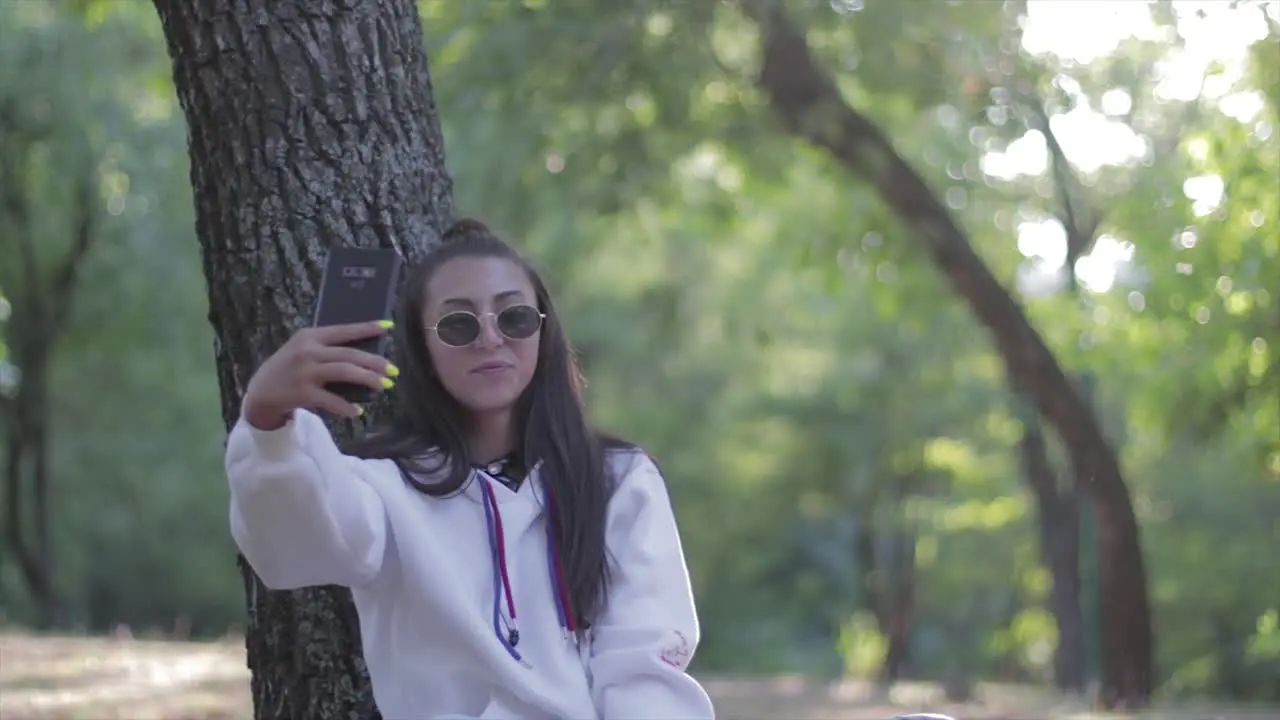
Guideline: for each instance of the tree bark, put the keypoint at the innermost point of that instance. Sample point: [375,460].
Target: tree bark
[310,124]
[811,107]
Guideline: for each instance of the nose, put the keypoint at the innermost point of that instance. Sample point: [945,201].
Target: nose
[489,337]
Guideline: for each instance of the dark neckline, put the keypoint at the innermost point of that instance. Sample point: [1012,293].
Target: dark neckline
[509,470]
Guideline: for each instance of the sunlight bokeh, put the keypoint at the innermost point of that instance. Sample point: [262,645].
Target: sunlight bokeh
[1205,65]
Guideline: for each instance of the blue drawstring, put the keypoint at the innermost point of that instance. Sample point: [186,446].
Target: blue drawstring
[499,581]
[502,583]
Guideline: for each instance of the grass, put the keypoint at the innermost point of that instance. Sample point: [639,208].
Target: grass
[84,678]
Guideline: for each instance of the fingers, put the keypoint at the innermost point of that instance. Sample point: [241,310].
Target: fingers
[321,399]
[339,334]
[317,358]
[330,372]
[352,356]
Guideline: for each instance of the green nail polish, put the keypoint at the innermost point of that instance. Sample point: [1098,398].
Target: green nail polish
[392,370]
[388,383]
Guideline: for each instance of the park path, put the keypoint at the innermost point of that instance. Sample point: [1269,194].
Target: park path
[77,678]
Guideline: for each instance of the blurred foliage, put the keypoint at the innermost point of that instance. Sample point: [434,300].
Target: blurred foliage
[748,312]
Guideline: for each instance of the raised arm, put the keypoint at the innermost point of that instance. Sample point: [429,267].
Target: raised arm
[300,511]
[645,638]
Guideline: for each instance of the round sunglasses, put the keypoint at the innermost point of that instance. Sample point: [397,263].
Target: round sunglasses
[461,328]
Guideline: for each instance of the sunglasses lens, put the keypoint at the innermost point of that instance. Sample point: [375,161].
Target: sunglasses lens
[519,321]
[458,329]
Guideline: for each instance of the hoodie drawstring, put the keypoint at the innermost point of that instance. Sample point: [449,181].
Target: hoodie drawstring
[556,569]
[509,635]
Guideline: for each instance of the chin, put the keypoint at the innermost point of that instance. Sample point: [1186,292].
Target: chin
[490,402]
[488,395]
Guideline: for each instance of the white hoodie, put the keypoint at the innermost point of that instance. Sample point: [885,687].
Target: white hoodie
[435,605]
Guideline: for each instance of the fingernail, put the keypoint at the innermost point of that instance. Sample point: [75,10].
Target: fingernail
[359,410]
[392,370]
[386,324]
[388,383]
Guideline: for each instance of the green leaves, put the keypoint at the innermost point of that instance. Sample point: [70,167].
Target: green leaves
[745,310]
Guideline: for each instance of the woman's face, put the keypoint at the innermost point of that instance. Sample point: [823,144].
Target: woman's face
[483,331]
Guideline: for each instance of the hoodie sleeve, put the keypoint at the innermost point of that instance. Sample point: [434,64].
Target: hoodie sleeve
[301,512]
[643,641]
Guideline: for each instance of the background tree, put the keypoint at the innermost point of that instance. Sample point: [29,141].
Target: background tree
[44,258]
[309,127]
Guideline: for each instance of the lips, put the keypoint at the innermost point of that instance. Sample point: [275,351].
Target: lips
[491,368]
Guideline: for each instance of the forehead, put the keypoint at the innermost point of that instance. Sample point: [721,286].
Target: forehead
[478,281]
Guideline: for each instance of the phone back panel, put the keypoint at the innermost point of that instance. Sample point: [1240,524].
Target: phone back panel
[359,285]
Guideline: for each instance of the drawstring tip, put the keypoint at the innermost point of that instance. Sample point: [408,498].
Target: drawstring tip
[514,637]
[519,658]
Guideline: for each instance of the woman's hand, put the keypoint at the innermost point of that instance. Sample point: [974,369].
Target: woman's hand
[295,375]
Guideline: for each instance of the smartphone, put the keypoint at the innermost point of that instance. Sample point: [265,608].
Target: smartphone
[358,285]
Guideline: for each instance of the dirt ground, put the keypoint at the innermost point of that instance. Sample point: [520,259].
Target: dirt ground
[66,678]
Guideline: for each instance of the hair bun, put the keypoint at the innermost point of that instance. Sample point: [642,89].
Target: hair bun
[463,228]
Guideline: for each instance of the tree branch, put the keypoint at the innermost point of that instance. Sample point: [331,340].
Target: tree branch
[1080,236]
[14,204]
[62,282]
[812,108]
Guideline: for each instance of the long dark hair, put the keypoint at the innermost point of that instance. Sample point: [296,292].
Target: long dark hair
[426,439]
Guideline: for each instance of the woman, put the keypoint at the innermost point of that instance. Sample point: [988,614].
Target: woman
[505,561]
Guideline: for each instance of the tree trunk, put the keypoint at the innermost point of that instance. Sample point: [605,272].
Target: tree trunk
[898,614]
[42,300]
[1059,514]
[888,562]
[1059,503]
[26,464]
[310,124]
[811,107]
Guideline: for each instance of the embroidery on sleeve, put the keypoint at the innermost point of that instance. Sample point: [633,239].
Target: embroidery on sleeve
[677,653]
